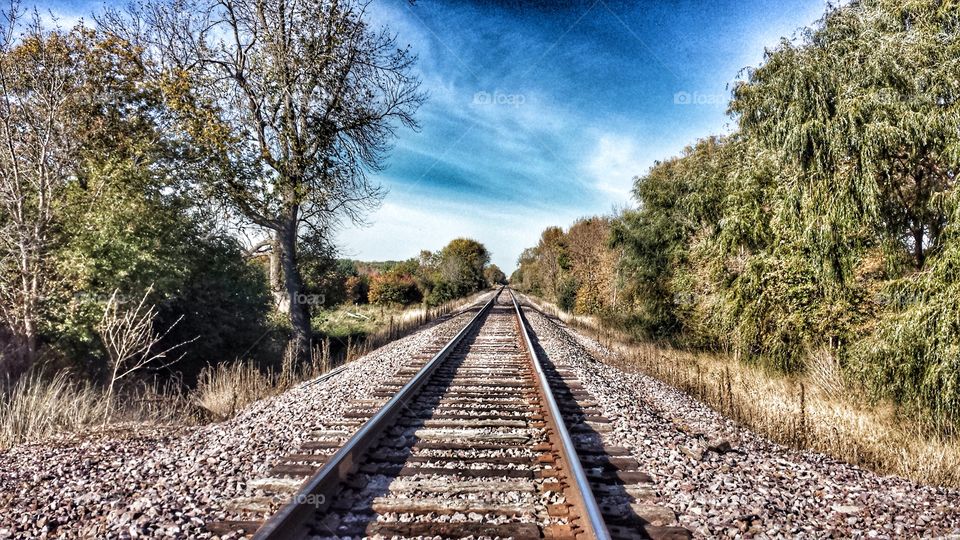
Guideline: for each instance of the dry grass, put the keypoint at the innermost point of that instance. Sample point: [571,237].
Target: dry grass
[36,407]
[224,389]
[39,406]
[819,410]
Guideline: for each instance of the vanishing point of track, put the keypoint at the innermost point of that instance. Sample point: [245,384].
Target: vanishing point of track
[484,439]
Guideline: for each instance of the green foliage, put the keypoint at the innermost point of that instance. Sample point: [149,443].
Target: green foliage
[567,294]
[106,245]
[129,220]
[462,264]
[913,356]
[826,222]
[682,199]
[866,110]
[393,288]
[324,275]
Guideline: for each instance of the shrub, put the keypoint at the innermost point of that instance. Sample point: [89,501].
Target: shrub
[393,288]
[357,289]
[567,294]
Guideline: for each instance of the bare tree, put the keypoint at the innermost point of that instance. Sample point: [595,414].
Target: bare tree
[131,341]
[36,86]
[300,98]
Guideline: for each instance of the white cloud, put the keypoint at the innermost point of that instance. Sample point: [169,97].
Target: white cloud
[613,163]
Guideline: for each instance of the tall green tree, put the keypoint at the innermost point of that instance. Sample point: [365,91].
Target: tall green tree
[461,266]
[299,100]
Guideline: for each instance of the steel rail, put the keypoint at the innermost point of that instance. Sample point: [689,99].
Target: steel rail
[291,518]
[592,523]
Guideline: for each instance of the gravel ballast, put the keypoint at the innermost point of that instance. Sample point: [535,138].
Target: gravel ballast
[167,482]
[730,482]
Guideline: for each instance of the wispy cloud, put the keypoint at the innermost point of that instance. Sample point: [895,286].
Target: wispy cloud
[541,114]
[613,163]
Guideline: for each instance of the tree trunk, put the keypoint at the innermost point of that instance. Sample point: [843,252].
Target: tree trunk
[277,287]
[919,256]
[293,285]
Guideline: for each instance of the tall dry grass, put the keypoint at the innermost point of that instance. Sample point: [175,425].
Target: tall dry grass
[36,407]
[820,410]
[39,406]
[224,389]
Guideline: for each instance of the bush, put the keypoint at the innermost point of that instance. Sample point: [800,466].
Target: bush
[357,289]
[567,295]
[36,408]
[392,288]
[39,406]
[224,389]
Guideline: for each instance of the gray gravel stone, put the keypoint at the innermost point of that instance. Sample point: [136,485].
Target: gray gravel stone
[760,488]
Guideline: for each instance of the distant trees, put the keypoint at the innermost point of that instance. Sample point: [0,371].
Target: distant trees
[357,289]
[295,102]
[457,270]
[494,276]
[577,269]
[460,269]
[394,288]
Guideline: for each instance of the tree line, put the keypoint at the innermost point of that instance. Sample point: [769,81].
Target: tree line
[459,269]
[196,156]
[827,222]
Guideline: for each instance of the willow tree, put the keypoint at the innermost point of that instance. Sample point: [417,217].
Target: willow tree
[866,109]
[297,100]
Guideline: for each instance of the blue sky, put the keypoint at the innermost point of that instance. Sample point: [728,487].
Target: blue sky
[542,111]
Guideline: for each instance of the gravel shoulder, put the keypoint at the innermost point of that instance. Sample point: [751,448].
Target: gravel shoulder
[167,482]
[754,487]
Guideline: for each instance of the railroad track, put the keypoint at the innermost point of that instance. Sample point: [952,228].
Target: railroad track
[482,439]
